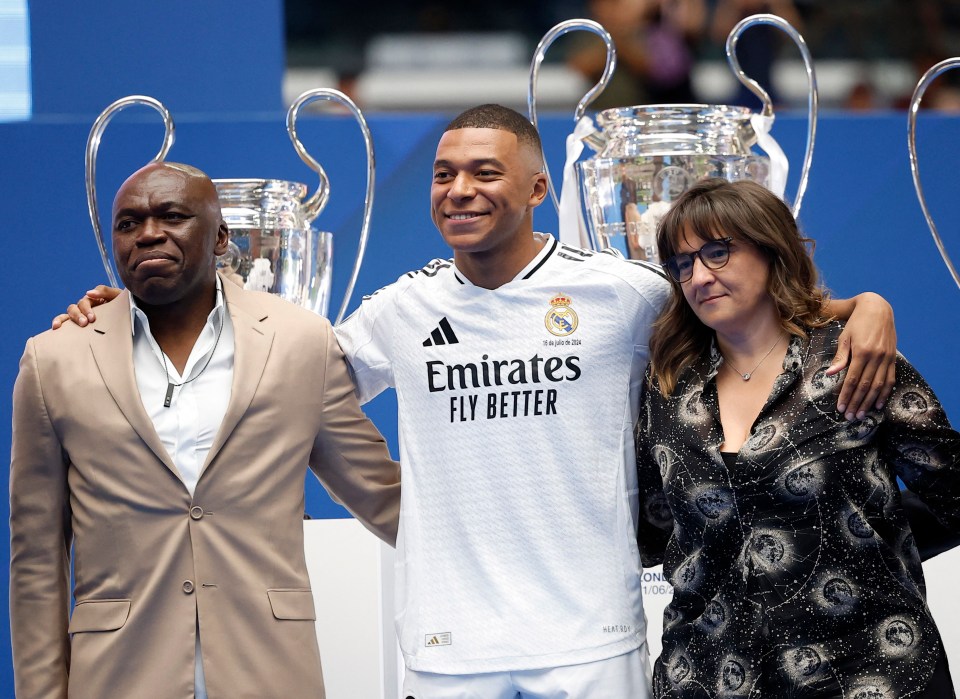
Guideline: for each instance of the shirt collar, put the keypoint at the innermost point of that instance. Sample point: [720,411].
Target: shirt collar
[135,312]
[792,362]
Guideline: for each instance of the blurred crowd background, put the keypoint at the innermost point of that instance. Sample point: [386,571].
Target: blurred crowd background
[429,55]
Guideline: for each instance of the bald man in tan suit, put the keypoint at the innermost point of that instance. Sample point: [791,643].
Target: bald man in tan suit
[190,578]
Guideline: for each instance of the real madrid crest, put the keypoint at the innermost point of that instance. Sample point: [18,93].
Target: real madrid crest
[561,320]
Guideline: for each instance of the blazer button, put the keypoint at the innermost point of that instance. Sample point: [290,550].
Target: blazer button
[187,587]
[196,512]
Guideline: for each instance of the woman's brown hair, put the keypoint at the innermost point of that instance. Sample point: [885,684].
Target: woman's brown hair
[748,212]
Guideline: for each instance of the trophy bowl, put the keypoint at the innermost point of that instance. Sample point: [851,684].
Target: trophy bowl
[652,155]
[648,155]
[272,246]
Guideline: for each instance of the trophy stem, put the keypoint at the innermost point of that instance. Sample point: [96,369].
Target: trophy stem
[922,86]
[555,33]
[90,161]
[754,86]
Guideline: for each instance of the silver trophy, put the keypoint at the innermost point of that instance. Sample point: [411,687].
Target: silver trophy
[90,164]
[922,86]
[273,246]
[648,155]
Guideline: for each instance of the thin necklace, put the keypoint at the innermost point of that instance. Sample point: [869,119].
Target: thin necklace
[168,398]
[746,375]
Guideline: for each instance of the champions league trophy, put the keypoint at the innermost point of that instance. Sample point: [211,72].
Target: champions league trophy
[922,86]
[272,245]
[90,163]
[648,155]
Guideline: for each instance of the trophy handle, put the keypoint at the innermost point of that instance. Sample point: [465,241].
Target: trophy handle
[922,86]
[559,30]
[93,146]
[314,205]
[754,87]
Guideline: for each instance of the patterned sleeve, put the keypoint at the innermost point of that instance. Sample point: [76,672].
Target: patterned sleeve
[656,521]
[922,446]
[930,536]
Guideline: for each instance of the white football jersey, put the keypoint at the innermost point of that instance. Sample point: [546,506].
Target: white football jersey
[517,546]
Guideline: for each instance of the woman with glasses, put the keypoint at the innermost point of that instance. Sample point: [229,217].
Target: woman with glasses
[778,521]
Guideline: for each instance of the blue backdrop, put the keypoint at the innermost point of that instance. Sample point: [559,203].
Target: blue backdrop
[860,205]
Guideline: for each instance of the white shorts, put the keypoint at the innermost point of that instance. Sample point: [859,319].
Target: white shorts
[623,677]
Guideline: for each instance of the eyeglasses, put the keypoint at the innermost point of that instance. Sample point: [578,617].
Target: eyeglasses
[713,255]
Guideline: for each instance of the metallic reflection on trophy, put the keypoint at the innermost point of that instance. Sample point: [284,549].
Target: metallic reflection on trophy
[925,81]
[90,164]
[648,155]
[273,246]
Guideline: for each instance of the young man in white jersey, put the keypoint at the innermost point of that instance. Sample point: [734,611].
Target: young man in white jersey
[517,367]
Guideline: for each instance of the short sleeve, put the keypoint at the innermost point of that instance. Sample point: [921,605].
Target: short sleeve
[364,337]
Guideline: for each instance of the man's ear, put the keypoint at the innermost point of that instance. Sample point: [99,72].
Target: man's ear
[223,238]
[540,189]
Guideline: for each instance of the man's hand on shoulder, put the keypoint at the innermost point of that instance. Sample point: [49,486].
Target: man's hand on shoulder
[81,312]
[868,348]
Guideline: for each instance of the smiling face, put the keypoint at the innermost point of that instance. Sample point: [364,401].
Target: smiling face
[735,297]
[485,187]
[167,231]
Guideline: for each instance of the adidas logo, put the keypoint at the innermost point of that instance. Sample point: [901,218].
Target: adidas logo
[442,335]
[439,639]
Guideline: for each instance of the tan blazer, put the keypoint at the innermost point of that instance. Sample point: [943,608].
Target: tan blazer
[88,469]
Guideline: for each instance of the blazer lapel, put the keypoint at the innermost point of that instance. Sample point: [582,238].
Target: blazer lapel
[112,345]
[253,338]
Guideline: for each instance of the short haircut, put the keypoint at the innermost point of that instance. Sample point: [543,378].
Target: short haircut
[496,116]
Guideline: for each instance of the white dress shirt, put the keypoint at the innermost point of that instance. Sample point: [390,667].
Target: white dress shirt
[187,428]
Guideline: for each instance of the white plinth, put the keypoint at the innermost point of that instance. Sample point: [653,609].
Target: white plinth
[351,574]
[942,573]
